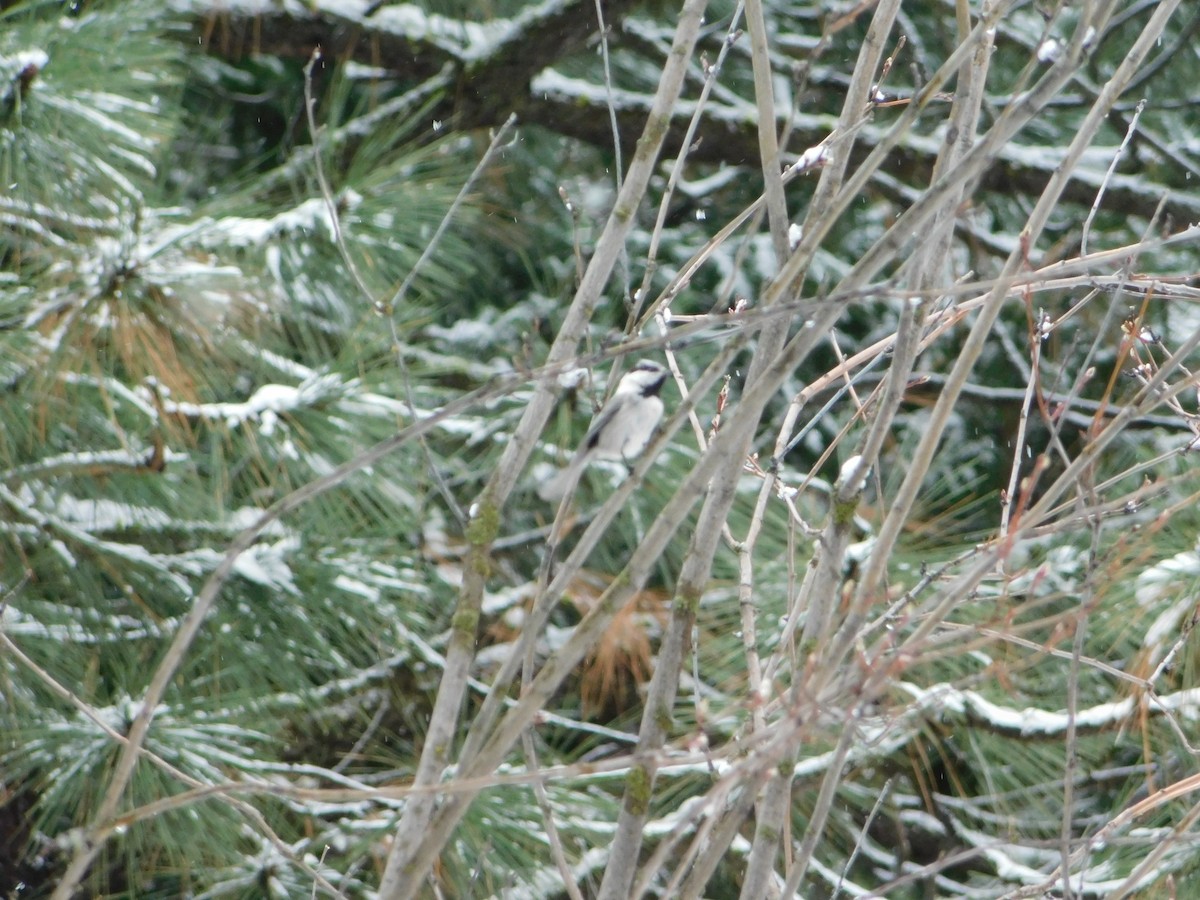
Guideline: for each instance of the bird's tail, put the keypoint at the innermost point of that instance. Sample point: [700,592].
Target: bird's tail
[559,485]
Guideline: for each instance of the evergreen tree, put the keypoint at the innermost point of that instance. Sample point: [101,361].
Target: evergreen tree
[301,301]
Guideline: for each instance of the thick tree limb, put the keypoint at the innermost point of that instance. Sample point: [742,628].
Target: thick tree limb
[504,67]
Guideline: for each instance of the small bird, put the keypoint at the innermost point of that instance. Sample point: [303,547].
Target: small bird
[621,430]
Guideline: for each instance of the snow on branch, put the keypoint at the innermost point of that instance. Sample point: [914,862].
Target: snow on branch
[401,38]
[485,72]
[265,405]
[1040,723]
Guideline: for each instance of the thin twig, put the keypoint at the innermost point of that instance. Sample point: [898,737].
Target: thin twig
[310,106]
[497,143]
[552,837]
[352,266]
[866,827]
[1112,167]
[636,319]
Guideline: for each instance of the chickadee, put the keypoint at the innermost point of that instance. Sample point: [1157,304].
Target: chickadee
[621,430]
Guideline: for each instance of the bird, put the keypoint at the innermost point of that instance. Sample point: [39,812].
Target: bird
[621,430]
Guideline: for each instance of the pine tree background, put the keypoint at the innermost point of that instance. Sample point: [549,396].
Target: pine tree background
[262,361]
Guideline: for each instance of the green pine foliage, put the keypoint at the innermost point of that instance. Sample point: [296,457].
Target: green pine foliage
[179,354]
[190,340]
